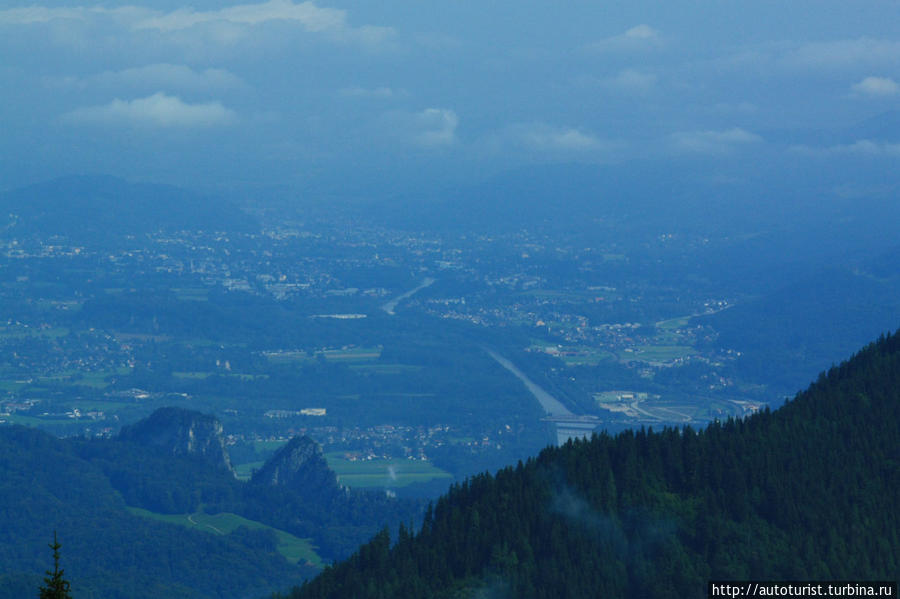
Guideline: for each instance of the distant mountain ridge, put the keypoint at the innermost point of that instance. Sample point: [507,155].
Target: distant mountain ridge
[804,322]
[89,208]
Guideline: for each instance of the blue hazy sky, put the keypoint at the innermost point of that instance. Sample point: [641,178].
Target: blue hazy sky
[218,94]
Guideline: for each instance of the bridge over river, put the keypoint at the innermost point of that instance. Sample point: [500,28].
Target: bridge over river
[568,424]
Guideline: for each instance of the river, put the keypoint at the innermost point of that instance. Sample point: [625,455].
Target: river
[391,305]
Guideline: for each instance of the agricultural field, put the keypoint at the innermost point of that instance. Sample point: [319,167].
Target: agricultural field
[383,473]
[661,353]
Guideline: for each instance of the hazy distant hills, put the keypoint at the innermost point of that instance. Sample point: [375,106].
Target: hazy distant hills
[86,208]
[798,328]
[806,492]
[781,199]
[547,197]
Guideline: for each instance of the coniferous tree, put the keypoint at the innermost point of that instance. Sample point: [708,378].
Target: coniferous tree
[55,585]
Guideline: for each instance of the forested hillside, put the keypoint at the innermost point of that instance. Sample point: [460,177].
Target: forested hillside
[157,512]
[106,551]
[807,491]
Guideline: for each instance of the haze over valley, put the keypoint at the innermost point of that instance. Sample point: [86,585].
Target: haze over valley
[280,279]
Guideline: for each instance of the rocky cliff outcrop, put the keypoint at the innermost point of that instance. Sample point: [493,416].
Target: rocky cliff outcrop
[300,466]
[182,432]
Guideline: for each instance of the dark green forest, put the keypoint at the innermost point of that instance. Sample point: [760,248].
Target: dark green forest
[806,491]
[46,486]
[85,489]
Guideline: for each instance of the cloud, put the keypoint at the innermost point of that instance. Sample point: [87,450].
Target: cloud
[168,76]
[739,108]
[641,32]
[436,127]
[42,14]
[432,127]
[863,147]
[639,37]
[843,54]
[540,136]
[376,92]
[307,15]
[713,142]
[158,111]
[538,140]
[878,87]
[630,81]
[224,25]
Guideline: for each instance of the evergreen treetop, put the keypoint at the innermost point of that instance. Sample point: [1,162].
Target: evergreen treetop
[55,585]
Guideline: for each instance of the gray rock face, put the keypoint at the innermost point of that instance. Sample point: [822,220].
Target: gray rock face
[300,466]
[182,432]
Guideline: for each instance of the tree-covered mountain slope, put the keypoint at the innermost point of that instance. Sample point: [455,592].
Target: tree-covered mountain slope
[174,462]
[130,513]
[107,552]
[807,491]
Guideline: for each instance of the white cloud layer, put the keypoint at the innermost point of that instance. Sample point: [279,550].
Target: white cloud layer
[713,142]
[435,127]
[863,147]
[630,81]
[879,87]
[167,76]
[156,111]
[540,136]
[375,92]
[483,86]
[306,14]
[845,54]
[225,24]
[31,15]
[639,37]
[429,128]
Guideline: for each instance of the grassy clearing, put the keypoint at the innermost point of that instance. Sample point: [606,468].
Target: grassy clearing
[620,396]
[383,473]
[248,377]
[350,354]
[192,375]
[22,332]
[353,354]
[673,323]
[292,548]
[662,353]
[12,386]
[263,446]
[42,421]
[385,368]
[100,405]
[587,358]
[195,294]
[245,471]
[95,380]
[287,357]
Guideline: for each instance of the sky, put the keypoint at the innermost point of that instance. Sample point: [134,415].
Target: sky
[360,96]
